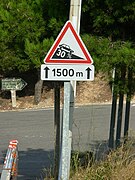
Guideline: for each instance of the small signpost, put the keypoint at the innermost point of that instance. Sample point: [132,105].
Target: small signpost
[13,85]
[67,60]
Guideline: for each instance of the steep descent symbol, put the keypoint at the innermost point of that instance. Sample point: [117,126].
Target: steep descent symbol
[64,52]
[68,48]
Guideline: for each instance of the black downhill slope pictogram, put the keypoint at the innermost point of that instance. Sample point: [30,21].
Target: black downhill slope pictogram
[64,52]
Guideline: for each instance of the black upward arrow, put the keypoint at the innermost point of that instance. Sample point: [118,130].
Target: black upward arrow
[46,71]
[88,72]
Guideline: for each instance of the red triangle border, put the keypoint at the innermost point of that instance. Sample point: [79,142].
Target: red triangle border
[48,59]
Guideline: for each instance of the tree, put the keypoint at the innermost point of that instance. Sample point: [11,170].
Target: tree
[121,56]
[108,54]
[20,21]
[25,35]
[28,29]
[36,53]
[115,19]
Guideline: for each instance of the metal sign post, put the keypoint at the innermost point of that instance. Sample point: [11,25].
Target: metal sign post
[13,98]
[68,60]
[75,14]
[57,128]
[65,143]
[69,94]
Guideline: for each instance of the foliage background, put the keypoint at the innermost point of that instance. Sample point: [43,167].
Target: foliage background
[28,29]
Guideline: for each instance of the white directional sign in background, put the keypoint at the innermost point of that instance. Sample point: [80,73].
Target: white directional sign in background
[65,72]
[16,84]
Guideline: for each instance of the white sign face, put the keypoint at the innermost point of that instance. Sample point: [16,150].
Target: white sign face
[57,72]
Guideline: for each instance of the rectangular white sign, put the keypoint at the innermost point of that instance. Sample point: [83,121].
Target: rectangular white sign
[62,72]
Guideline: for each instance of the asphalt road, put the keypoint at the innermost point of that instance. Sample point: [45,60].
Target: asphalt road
[34,129]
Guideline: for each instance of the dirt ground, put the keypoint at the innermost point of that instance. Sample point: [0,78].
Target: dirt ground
[97,91]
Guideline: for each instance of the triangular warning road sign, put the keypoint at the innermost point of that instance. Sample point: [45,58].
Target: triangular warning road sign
[68,48]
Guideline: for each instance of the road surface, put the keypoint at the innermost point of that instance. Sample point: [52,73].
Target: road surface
[34,129]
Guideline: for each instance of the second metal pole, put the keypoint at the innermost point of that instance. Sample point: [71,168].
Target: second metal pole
[65,143]
[57,125]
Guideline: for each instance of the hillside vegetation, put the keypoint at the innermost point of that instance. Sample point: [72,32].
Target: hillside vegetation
[29,27]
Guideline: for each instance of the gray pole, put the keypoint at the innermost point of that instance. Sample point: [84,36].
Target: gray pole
[75,16]
[75,13]
[69,92]
[64,166]
[13,97]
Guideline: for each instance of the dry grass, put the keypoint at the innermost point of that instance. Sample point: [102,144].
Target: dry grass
[118,165]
